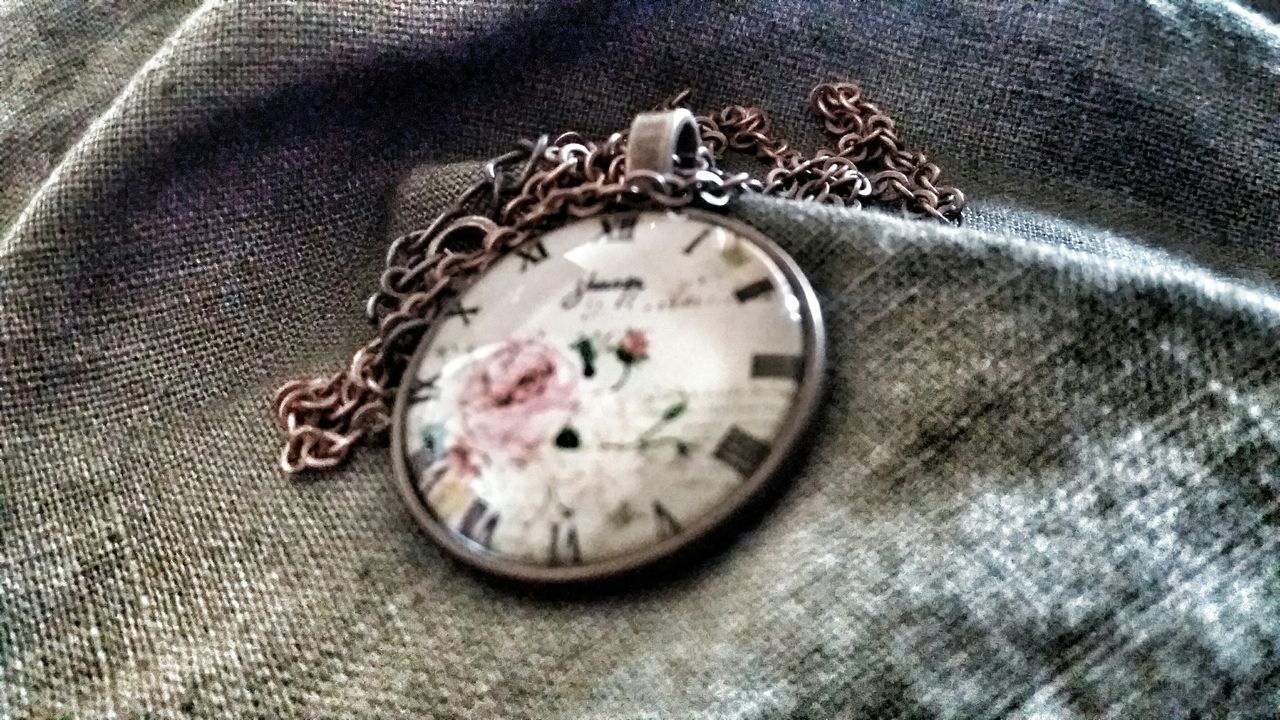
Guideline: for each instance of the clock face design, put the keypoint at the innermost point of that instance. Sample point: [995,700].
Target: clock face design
[607,393]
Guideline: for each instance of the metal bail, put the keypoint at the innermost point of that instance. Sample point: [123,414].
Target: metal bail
[661,142]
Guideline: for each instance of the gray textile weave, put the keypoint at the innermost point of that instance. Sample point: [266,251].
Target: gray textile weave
[1047,482]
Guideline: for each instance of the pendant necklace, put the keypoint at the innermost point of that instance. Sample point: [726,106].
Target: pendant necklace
[583,366]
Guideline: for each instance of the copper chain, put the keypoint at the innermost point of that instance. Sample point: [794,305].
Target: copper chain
[520,193]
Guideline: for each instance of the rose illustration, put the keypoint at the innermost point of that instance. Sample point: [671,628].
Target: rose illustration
[517,398]
[462,459]
[634,346]
[631,349]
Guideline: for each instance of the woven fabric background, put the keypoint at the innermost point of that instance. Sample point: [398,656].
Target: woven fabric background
[1046,484]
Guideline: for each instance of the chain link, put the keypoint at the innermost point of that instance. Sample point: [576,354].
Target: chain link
[523,191]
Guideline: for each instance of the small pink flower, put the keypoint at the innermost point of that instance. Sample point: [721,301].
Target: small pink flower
[517,398]
[463,459]
[634,346]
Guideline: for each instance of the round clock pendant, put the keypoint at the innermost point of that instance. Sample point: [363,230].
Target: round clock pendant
[608,394]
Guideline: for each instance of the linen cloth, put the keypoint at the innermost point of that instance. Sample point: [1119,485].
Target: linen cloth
[1046,482]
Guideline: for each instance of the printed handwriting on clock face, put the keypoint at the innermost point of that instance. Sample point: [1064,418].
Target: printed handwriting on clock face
[604,388]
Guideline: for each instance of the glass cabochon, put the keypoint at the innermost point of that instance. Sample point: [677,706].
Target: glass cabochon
[618,385]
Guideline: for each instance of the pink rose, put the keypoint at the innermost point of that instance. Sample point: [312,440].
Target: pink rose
[463,459]
[634,346]
[517,398]
[631,349]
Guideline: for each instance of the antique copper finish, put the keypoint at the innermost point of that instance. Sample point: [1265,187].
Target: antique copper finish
[543,181]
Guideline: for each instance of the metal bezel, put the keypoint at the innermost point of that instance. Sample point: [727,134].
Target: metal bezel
[789,439]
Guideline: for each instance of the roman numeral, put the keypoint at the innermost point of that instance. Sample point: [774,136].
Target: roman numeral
[424,389]
[531,254]
[477,524]
[463,312]
[667,525]
[619,228]
[688,249]
[786,367]
[763,286]
[741,451]
[564,544]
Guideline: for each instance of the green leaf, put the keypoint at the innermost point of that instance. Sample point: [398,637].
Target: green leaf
[568,439]
[675,411]
[587,351]
[433,437]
